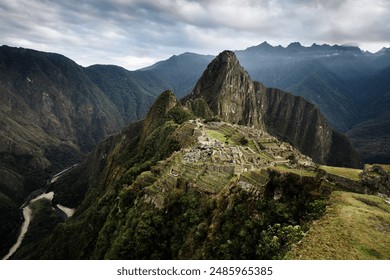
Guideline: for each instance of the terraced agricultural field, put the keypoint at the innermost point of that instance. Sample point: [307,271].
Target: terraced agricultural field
[350,173]
[300,172]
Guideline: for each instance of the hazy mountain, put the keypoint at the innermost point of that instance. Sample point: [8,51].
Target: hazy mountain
[180,72]
[132,92]
[372,133]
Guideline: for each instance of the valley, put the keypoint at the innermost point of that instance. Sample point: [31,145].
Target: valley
[28,214]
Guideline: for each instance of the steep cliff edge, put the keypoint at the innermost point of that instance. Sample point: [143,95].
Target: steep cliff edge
[233,97]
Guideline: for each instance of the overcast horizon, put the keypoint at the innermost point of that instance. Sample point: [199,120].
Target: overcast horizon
[134,34]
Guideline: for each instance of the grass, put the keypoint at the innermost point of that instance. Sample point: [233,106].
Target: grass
[252,145]
[385,167]
[355,226]
[215,135]
[300,172]
[219,136]
[269,145]
[350,173]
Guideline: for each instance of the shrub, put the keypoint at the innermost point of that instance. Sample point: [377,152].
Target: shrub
[243,141]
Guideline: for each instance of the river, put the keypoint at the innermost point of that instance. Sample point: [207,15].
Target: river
[27,213]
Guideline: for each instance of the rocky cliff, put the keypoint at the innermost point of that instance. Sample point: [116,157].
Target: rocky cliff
[233,97]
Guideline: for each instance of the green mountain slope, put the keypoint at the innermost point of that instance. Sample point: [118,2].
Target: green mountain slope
[53,112]
[148,201]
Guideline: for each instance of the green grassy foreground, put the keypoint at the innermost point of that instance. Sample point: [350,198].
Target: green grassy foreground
[355,226]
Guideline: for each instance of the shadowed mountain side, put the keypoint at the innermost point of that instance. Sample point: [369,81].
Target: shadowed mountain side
[51,114]
[372,139]
[180,72]
[132,92]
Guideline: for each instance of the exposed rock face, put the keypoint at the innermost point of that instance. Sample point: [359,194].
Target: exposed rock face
[229,90]
[234,97]
[157,113]
[377,179]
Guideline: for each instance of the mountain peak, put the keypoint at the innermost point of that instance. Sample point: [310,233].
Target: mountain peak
[263,47]
[227,53]
[157,113]
[383,50]
[224,80]
[294,45]
[265,44]
[225,59]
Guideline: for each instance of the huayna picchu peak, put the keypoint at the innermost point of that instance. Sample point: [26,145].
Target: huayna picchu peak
[233,97]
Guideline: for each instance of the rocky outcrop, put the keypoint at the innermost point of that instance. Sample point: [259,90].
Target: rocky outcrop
[158,112]
[377,179]
[233,97]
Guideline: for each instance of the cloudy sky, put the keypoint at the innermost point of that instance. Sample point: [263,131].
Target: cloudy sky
[137,33]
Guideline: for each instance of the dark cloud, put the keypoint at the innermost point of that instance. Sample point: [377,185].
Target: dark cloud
[134,33]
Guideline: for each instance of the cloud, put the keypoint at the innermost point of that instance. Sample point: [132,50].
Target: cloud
[128,32]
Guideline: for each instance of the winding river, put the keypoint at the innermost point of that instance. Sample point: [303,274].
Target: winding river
[27,213]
